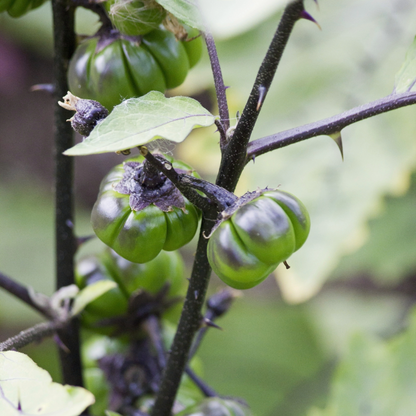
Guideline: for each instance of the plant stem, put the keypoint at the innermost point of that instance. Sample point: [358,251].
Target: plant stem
[33,334]
[218,80]
[232,164]
[328,125]
[233,160]
[206,390]
[218,198]
[64,46]
[20,292]
[188,325]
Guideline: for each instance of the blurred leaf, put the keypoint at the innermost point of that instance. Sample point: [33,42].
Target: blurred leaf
[268,349]
[214,406]
[185,10]
[27,389]
[90,293]
[406,77]
[110,413]
[375,378]
[389,255]
[230,18]
[138,121]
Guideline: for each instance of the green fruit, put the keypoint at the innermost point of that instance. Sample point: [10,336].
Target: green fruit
[17,8]
[112,68]
[139,235]
[166,268]
[135,17]
[259,235]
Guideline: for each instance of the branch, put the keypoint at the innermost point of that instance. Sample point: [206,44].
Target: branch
[329,125]
[218,81]
[33,334]
[21,292]
[64,47]
[188,325]
[233,160]
[218,198]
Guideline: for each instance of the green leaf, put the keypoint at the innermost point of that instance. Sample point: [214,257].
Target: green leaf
[90,293]
[138,121]
[111,413]
[406,77]
[23,384]
[376,378]
[185,10]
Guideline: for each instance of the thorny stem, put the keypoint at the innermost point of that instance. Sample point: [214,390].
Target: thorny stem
[33,334]
[64,46]
[188,325]
[233,160]
[329,125]
[232,165]
[20,292]
[218,80]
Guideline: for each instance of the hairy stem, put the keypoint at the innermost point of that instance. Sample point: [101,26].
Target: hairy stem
[233,160]
[328,125]
[64,46]
[21,292]
[218,81]
[34,334]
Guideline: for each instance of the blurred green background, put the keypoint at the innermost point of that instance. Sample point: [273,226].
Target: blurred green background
[349,290]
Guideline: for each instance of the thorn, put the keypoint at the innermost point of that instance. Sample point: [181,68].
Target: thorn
[336,137]
[305,15]
[253,159]
[61,344]
[286,265]
[208,322]
[317,4]
[262,94]
[237,116]
[226,87]
[49,88]
[82,240]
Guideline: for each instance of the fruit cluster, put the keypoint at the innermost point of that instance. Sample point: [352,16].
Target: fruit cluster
[132,55]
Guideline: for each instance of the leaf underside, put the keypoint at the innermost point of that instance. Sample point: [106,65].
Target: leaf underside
[138,121]
[26,390]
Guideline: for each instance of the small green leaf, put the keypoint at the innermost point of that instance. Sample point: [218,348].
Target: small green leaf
[28,390]
[406,77]
[111,413]
[185,10]
[138,121]
[90,293]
